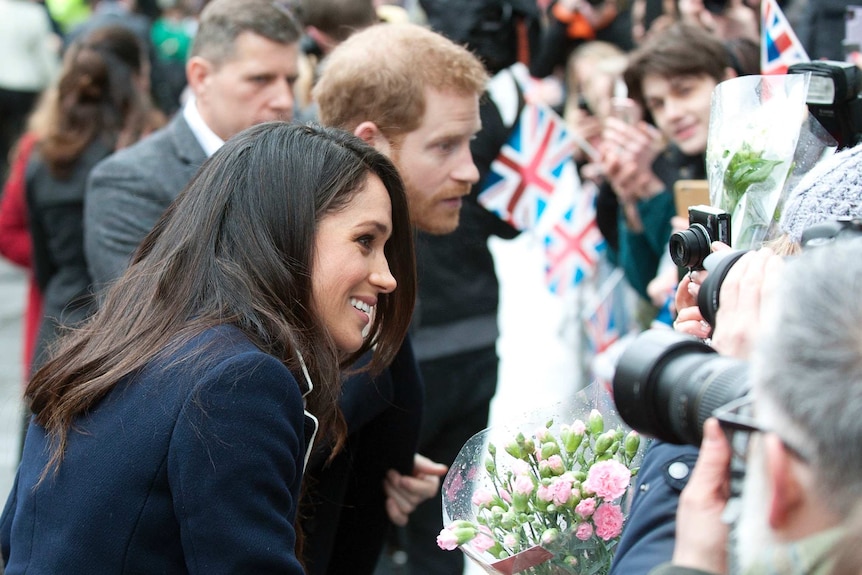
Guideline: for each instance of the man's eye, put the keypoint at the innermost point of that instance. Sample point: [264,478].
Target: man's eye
[447,147]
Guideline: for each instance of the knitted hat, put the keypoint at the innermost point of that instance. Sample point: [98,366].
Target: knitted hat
[832,188]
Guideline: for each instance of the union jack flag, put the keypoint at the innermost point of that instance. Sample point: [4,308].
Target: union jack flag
[779,46]
[574,243]
[607,318]
[528,168]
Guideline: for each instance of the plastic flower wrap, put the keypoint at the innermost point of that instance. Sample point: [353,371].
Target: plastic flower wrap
[545,497]
[761,140]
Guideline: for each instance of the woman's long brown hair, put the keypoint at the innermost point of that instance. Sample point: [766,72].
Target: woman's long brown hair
[236,247]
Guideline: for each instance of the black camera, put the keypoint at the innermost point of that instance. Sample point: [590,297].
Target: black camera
[719,263]
[690,247]
[667,384]
[835,98]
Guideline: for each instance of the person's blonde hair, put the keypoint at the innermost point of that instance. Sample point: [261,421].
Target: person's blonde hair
[380,75]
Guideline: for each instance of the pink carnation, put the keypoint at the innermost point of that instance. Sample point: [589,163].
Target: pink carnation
[482,542]
[545,493]
[609,521]
[562,491]
[586,507]
[520,467]
[505,496]
[482,497]
[584,532]
[608,479]
[542,434]
[447,540]
[555,462]
[523,485]
[510,540]
[579,427]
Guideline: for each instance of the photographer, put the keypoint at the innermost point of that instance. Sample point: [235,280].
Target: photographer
[830,190]
[801,480]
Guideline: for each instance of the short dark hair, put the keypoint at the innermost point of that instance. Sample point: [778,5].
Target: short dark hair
[338,18]
[678,51]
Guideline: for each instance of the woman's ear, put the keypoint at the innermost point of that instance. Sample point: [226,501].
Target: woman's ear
[730,73]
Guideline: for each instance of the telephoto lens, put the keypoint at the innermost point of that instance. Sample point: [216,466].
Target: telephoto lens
[667,384]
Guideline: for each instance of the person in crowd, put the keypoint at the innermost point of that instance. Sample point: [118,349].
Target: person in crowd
[671,77]
[832,189]
[114,13]
[241,72]
[593,75]
[171,36]
[326,23]
[414,95]
[821,28]
[801,482]
[15,244]
[571,23]
[171,431]
[727,20]
[100,104]
[29,61]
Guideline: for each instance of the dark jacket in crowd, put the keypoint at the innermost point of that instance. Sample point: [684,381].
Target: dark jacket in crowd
[55,208]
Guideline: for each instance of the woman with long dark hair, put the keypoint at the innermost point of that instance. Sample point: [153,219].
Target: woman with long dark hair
[99,105]
[171,430]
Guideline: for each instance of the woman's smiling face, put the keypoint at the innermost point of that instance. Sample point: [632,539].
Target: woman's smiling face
[350,268]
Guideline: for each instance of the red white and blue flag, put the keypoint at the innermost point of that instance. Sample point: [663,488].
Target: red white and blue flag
[779,46]
[529,168]
[574,243]
[533,183]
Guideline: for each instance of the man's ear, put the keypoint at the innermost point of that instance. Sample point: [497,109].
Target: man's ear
[785,490]
[730,73]
[369,133]
[197,70]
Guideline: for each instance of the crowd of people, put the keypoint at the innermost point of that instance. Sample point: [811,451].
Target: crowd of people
[262,318]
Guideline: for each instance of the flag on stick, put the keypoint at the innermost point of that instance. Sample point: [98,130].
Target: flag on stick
[779,46]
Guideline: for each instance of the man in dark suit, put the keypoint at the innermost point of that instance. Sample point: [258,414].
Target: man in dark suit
[241,72]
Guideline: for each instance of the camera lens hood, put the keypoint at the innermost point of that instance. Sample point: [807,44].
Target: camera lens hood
[638,393]
[717,264]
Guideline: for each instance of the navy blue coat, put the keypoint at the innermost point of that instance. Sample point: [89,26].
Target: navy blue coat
[186,467]
[650,531]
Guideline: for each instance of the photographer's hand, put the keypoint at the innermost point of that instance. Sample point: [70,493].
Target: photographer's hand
[743,292]
[701,536]
[689,319]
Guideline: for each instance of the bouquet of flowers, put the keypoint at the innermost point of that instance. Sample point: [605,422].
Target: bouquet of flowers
[761,141]
[549,502]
